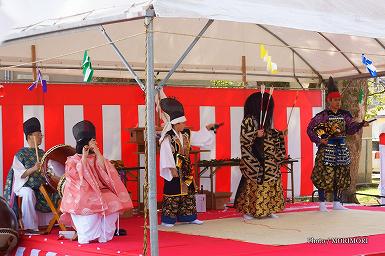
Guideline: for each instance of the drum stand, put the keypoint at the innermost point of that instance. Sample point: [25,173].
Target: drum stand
[55,211]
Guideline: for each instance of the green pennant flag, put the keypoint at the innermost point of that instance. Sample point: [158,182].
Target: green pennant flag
[88,72]
[361,96]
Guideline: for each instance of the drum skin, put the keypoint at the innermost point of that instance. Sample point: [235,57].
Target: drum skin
[58,153]
[9,236]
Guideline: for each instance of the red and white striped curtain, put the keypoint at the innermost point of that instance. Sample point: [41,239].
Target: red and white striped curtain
[115,108]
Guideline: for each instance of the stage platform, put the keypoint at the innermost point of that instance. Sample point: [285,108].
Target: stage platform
[299,230]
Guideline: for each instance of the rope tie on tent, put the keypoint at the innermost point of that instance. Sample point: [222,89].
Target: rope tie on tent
[268,44]
[192,35]
[145,184]
[145,194]
[71,53]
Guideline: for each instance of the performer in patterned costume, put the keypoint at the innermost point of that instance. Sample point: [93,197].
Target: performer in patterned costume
[24,180]
[175,167]
[328,129]
[260,191]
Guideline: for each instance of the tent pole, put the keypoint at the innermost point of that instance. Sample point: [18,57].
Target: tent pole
[150,132]
[117,51]
[33,58]
[186,52]
[295,77]
[243,68]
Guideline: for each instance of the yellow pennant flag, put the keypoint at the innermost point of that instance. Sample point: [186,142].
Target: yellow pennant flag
[274,68]
[262,51]
[268,60]
[270,66]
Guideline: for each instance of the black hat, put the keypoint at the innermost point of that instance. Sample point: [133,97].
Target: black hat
[333,91]
[172,107]
[31,125]
[83,130]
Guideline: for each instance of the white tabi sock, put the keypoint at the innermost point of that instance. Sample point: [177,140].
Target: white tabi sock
[273,216]
[338,206]
[322,207]
[248,217]
[167,225]
[198,222]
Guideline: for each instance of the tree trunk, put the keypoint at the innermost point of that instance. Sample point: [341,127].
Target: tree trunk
[350,94]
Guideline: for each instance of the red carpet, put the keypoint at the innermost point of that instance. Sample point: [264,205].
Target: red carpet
[171,243]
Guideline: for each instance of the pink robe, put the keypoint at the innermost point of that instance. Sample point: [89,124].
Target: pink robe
[90,189]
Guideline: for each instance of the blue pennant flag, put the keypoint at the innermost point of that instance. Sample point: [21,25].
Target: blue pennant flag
[41,80]
[369,65]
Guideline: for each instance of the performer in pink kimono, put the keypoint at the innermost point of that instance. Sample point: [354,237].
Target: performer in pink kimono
[93,194]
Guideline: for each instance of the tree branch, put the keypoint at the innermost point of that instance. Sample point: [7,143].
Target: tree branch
[375,93]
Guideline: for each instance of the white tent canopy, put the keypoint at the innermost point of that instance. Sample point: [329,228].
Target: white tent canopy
[307,39]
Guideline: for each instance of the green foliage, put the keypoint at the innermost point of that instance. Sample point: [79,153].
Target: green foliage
[368,200]
[226,84]
[275,84]
[113,80]
[376,98]
[232,84]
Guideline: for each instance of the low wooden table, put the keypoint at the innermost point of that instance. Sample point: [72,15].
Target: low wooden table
[213,166]
[196,153]
[127,174]
[289,164]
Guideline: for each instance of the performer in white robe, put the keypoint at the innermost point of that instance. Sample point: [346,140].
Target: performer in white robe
[179,186]
[24,180]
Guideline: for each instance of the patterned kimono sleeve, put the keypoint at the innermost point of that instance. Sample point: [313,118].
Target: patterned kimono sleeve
[115,184]
[106,171]
[74,172]
[352,127]
[251,166]
[314,122]
[72,189]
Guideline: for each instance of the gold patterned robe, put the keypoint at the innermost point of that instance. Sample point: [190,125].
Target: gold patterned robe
[260,190]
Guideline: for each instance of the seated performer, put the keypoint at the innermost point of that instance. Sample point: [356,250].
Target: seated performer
[25,180]
[328,130]
[179,186]
[260,192]
[93,194]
